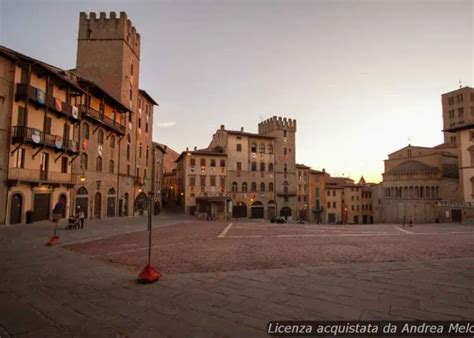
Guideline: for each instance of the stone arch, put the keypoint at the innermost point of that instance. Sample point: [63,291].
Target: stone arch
[81,201]
[257,210]
[141,203]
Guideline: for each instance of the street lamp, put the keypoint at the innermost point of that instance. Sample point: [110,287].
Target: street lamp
[149,274]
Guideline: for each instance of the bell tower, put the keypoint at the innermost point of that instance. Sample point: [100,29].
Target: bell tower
[108,53]
[284,131]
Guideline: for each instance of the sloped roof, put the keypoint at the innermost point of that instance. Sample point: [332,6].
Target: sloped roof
[411,166]
[58,73]
[410,146]
[244,133]
[217,151]
[149,98]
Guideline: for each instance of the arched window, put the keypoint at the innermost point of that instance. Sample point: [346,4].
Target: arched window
[100,137]
[262,187]
[128,152]
[270,167]
[262,167]
[270,149]
[129,138]
[261,148]
[253,187]
[270,187]
[85,131]
[254,166]
[112,141]
[82,191]
[84,161]
[111,191]
[98,163]
[234,186]
[254,147]
[244,187]
[147,153]
[140,150]
[111,166]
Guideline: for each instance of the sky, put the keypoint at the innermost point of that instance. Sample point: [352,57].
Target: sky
[362,78]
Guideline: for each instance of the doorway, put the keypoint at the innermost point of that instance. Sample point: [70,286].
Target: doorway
[97,205]
[456,215]
[239,210]
[16,209]
[257,210]
[63,201]
[41,206]
[111,203]
[82,201]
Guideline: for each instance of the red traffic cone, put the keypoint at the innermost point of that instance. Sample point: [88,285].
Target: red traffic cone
[53,241]
[148,275]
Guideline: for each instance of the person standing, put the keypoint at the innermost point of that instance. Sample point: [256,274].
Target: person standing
[81,216]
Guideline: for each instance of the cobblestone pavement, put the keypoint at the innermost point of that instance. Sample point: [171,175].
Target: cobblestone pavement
[217,246]
[52,292]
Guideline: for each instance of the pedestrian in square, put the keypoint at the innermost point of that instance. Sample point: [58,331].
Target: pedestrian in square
[81,216]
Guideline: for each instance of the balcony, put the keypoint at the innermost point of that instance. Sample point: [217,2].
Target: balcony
[286,194]
[100,117]
[26,92]
[40,176]
[34,136]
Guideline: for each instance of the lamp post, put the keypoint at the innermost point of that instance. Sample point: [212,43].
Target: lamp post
[149,274]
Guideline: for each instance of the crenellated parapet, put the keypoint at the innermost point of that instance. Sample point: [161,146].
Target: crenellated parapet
[111,27]
[277,123]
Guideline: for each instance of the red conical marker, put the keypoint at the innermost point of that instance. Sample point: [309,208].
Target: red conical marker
[53,241]
[148,275]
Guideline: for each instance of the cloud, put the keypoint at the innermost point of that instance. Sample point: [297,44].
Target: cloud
[166,124]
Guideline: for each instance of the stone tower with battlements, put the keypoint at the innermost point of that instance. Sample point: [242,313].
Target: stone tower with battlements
[284,131]
[108,53]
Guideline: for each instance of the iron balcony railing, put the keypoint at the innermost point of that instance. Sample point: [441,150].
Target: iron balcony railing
[101,117]
[26,92]
[40,176]
[22,134]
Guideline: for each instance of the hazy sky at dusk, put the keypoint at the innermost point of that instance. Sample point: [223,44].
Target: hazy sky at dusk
[360,77]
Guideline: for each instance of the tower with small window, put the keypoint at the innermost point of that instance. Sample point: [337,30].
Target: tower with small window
[284,131]
[108,53]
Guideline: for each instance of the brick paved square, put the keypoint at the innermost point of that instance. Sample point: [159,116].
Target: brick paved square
[230,284]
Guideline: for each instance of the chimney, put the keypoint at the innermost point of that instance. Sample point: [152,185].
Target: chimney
[324,170]
[187,149]
[222,127]
[241,129]
[195,148]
